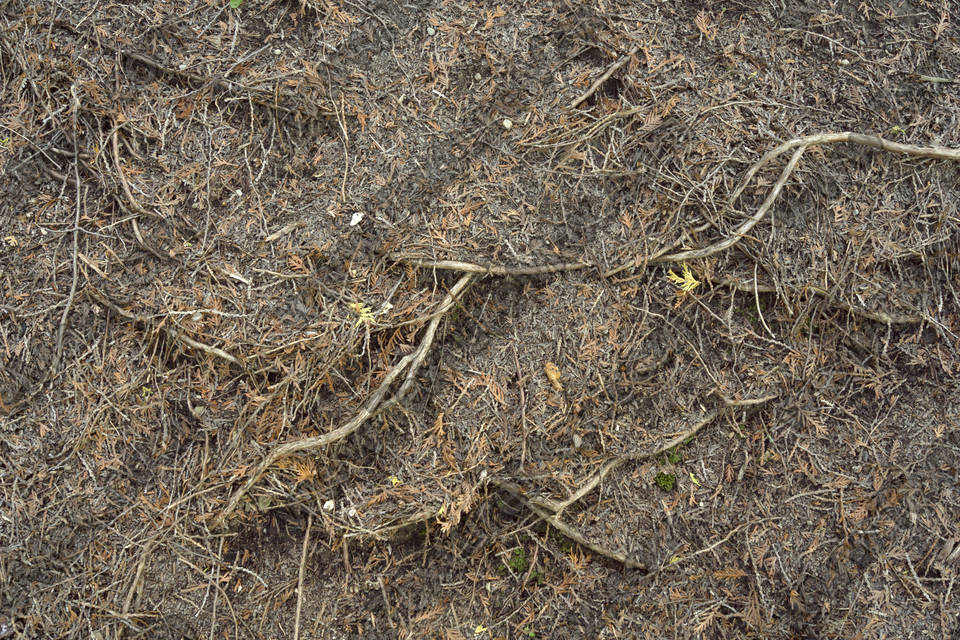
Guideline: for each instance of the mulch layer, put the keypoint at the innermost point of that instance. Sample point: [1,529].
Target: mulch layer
[473,319]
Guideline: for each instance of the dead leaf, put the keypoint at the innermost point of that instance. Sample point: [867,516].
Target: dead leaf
[729,574]
[553,375]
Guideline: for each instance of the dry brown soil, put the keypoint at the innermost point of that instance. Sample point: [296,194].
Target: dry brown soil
[343,319]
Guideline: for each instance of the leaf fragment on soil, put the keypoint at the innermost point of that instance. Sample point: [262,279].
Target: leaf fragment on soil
[553,375]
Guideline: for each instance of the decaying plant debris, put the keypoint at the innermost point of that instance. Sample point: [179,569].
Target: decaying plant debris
[554,319]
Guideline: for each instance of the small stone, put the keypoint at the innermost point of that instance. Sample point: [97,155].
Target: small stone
[477,77]
[507,124]
[577,441]
[329,505]
[431,31]
[276,52]
[352,513]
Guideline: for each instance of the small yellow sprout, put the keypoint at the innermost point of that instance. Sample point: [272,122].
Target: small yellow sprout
[364,313]
[686,282]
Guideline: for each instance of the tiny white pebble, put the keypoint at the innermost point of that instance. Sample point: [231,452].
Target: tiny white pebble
[183,66]
[431,31]
[507,124]
[352,513]
[328,506]
[477,77]
[276,52]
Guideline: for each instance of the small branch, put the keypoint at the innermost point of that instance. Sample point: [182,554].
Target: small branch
[886,317]
[262,96]
[190,342]
[374,405]
[756,299]
[421,353]
[800,145]
[303,566]
[134,205]
[744,228]
[137,577]
[599,81]
[388,532]
[749,402]
[918,77]
[936,152]
[469,267]
[543,507]
[123,179]
[599,476]
[567,530]
[58,351]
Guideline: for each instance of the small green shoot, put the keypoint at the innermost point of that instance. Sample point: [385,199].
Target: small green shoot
[518,562]
[235,4]
[666,481]
[561,541]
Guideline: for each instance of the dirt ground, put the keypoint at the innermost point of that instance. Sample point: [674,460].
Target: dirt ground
[471,319]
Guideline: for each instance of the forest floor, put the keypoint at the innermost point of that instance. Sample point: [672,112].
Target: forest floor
[475,319]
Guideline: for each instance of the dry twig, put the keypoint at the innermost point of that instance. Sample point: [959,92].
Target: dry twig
[187,340]
[599,81]
[262,96]
[799,145]
[303,566]
[494,270]
[599,476]
[375,404]
[567,530]
[76,234]
[542,507]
